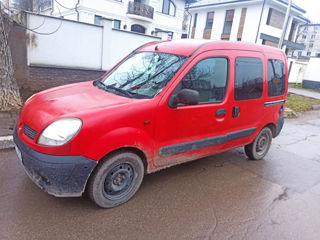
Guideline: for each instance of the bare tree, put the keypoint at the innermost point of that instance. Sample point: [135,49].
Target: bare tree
[9,91]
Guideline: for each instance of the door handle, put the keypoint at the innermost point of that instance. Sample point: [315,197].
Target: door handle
[221,112]
[235,111]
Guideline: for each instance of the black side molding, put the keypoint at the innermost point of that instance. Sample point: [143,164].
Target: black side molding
[267,104]
[203,143]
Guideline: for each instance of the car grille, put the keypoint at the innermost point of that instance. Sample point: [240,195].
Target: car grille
[29,132]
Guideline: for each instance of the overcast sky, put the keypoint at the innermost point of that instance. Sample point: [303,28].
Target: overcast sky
[312,7]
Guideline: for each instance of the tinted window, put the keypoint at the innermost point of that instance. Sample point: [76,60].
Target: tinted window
[276,78]
[209,78]
[249,78]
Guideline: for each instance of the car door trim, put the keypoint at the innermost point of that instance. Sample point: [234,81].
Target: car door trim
[204,143]
[267,104]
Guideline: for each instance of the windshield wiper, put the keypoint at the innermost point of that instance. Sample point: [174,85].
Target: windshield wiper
[112,89]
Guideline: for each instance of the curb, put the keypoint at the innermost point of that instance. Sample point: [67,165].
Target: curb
[6,142]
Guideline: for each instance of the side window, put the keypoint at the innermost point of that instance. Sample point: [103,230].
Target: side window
[248,79]
[276,78]
[209,78]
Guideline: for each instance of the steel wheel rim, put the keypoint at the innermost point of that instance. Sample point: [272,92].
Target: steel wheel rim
[118,181]
[262,143]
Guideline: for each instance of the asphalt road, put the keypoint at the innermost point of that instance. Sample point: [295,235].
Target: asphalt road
[220,197]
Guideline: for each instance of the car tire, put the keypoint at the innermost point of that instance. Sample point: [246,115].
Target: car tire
[116,179]
[260,146]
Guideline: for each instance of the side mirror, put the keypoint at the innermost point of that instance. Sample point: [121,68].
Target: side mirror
[185,97]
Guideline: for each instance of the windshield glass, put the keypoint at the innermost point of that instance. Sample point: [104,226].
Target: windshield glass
[143,75]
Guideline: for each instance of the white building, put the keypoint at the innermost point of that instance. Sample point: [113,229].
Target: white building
[309,35]
[255,21]
[162,18]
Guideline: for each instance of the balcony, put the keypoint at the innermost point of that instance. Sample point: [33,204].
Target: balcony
[140,11]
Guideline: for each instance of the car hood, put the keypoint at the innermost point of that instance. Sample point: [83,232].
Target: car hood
[68,101]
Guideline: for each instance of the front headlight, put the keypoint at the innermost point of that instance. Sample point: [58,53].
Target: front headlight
[60,132]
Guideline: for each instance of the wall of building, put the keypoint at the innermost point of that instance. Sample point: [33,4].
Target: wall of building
[75,52]
[79,45]
[312,78]
[73,45]
[118,10]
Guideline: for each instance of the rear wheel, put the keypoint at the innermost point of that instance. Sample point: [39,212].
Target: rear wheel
[260,146]
[116,179]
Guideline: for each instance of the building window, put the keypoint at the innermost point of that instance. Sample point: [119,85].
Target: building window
[276,78]
[228,22]
[241,23]
[138,28]
[208,27]
[168,7]
[209,21]
[311,45]
[313,36]
[44,5]
[275,18]
[209,77]
[249,78]
[97,20]
[195,20]
[293,30]
[116,24]
[194,25]
[170,35]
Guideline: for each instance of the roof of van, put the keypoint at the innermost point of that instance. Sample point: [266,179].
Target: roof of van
[187,47]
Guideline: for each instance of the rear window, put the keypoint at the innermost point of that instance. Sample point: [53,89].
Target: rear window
[276,78]
[249,78]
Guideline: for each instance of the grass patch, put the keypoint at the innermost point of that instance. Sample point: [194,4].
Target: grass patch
[299,103]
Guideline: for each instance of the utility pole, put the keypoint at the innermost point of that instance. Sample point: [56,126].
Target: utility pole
[284,27]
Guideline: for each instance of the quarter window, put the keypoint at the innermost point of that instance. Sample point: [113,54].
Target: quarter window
[249,78]
[276,78]
[209,78]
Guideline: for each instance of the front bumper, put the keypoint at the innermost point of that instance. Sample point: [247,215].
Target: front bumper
[61,176]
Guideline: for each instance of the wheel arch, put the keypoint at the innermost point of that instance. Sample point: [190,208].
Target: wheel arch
[273,128]
[134,150]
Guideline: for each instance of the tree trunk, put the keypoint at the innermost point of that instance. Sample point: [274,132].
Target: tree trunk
[9,91]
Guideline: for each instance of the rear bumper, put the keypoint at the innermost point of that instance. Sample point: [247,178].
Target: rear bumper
[279,125]
[61,176]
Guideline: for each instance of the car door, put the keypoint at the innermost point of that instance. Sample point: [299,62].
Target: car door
[188,132]
[247,96]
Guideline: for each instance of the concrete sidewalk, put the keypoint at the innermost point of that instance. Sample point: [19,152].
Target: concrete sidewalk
[305,93]
[8,121]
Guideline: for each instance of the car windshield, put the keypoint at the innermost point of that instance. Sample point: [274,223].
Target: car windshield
[142,75]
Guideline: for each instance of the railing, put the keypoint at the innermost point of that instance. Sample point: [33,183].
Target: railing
[140,9]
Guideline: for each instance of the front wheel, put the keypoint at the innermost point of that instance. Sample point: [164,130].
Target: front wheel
[116,179]
[260,146]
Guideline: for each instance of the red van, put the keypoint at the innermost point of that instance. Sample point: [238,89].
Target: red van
[166,103]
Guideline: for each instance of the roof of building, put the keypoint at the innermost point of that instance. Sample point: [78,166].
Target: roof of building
[208,3]
[187,47]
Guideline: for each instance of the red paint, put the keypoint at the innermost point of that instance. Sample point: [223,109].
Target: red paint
[111,122]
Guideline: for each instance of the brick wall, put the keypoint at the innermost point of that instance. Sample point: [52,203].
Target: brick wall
[41,78]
